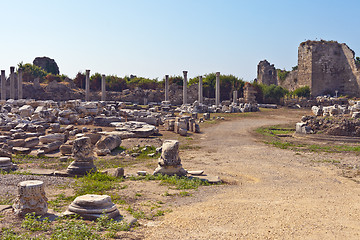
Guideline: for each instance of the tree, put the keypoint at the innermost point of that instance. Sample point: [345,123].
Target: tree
[30,72]
[270,94]
[115,83]
[79,80]
[95,82]
[302,92]
[228,84]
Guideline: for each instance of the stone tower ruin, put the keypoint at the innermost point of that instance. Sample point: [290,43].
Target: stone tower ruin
[266,73]
[324,66]
[327,66]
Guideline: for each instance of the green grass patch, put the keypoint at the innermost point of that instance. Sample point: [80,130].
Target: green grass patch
[60,202]
[95,183]
[35,223]
[144,152]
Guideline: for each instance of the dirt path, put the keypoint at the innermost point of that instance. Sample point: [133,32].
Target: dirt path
[278,194]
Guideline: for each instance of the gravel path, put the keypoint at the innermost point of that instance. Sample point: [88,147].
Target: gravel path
[9,182]
[278,194]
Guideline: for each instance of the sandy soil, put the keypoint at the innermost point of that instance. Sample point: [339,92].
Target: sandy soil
[275,193]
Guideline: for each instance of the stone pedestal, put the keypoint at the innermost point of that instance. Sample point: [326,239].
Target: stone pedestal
[103,88]
[166,87]
[87,85]
[217,89]
[169,161]
[84,157]
[185,88]
[91,207]
[12,82]
[31,198]
[6,164]
[20,84]
[3,89]
[200,90]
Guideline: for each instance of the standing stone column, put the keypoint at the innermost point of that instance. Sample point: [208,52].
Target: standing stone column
[12,81]
[87,86]
[217,89]
[31,198]
[235,96]
[185,88]
[200,90]
[3,89]
[166,87]
[103,88]
[20,84]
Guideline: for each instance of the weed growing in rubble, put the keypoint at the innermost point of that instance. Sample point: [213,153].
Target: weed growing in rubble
[35,223]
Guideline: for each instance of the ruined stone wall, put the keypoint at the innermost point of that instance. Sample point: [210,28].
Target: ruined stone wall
[67,91]
[291,81]
[327,66]
[176,94]
[266,73]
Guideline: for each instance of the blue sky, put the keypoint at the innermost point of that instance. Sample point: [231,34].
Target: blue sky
[158,37]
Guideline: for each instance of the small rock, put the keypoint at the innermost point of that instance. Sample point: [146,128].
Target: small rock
[141,173]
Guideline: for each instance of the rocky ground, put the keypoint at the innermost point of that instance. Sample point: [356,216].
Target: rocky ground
[270,193]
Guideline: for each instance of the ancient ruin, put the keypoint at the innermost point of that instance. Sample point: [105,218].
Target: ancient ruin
[82,152]
[48,64]
[6,164]
[266,73]
[169,161]
[92,206]
[327,67]
[31,198]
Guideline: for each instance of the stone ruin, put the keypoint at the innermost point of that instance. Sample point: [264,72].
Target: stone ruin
[169,161]
[47,64]
[92,206]
[327,67]
[266,73]
[84,157]
[344,121]
[31,198]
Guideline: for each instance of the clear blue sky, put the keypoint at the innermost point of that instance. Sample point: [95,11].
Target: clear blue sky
[151,38]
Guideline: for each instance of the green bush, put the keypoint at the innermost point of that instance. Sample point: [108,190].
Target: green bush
[269,94]
[30,72]
[282,74]
[302,92]
[228,84]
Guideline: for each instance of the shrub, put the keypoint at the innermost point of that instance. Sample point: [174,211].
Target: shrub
[30,72]
[269,94]
[302,92]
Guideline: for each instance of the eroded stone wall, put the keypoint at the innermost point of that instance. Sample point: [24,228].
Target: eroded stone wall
[324,66]
[266,73]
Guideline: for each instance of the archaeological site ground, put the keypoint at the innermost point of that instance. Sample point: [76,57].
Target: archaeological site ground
[213,157]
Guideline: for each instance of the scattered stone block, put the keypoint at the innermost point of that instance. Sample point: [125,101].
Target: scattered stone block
[107,143]
[31,142]
[199,172]
[65,149]
[21,150]
[52,138]
[7,165]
